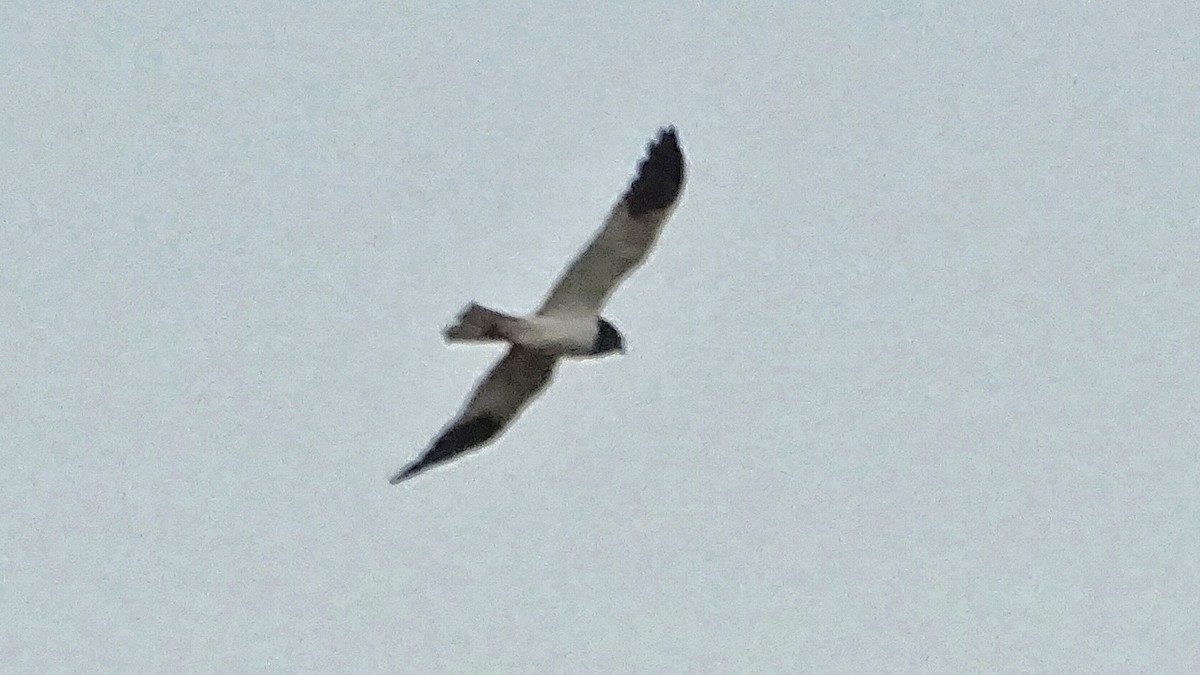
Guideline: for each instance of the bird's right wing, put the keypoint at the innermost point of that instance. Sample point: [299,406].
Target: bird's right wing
[499,397]
[627,235]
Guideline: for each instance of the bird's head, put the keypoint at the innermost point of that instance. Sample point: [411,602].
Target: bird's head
[608,339]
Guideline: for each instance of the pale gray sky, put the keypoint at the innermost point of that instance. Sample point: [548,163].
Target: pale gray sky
[912,377]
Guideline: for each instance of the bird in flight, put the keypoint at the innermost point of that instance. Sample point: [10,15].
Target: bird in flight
[568,324]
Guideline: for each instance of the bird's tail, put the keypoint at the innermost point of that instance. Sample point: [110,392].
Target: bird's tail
[477,323]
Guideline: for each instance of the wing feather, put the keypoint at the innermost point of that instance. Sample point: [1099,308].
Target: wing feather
[498,399]
[627,235]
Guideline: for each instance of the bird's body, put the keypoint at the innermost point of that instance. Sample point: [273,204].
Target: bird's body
[568,324]
[564,336]
[561,336]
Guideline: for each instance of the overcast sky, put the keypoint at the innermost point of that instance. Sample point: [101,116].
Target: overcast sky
[912,377]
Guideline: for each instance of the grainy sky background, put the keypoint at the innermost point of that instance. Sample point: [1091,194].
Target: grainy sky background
[913,374]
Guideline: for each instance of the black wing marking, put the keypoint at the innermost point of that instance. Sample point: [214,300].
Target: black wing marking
[461,437]
[498,399]
[660,176]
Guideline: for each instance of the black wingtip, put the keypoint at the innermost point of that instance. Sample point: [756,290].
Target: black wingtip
[408,472]
[660,175]
[459,438]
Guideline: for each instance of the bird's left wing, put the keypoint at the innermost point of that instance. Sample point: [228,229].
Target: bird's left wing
[499,397]
[628,234]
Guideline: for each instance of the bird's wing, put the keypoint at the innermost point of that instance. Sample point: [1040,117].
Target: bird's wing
[627,235]
[497,400]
